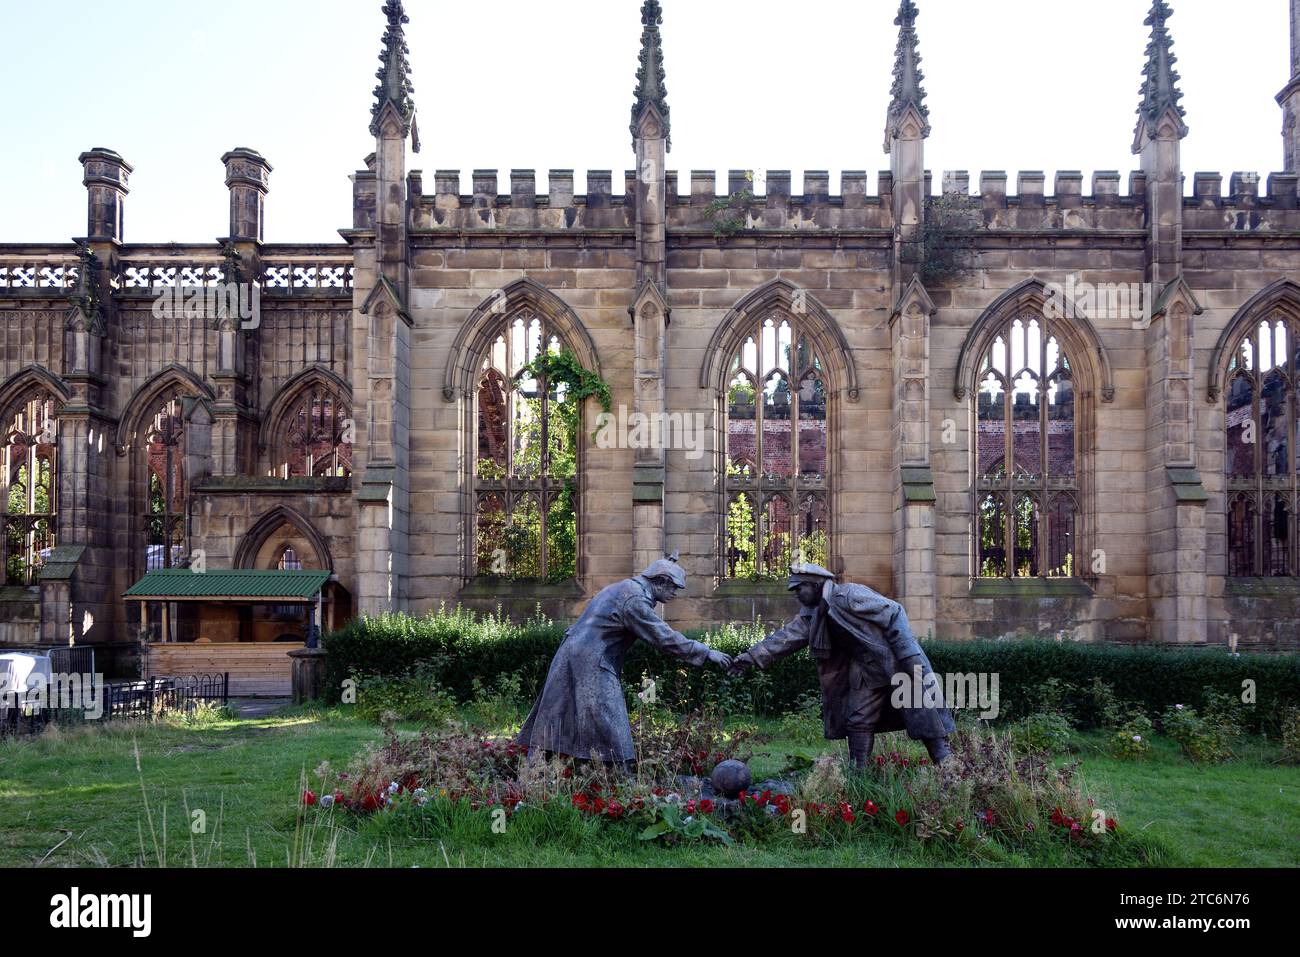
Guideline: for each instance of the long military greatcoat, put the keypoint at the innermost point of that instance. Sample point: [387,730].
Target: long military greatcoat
[581,711]
[880,646]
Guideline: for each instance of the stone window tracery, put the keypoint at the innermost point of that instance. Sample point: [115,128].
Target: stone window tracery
[526,450]
[315,438]
[1027,514]
[1260,464]
[31,479]
[776,471]
[166,503]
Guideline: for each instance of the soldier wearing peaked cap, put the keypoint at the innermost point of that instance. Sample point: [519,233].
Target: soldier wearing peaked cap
[581,711]
[862,644]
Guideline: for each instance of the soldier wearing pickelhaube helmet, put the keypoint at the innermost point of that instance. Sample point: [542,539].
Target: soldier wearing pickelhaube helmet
[860,641]
[581,711]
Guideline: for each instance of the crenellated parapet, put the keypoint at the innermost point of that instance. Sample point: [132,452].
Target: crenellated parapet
[702,200]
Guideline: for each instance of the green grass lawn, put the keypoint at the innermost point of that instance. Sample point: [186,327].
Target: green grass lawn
[75,798]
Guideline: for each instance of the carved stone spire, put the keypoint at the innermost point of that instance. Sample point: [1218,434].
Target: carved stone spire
[650,88]
[394,76]
[1289,99]
[1159,78]
[907,90]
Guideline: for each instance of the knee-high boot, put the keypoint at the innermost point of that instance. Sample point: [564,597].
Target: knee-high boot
[938,748]
[860,745]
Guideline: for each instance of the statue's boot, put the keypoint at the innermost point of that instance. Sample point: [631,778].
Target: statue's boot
[938,748]
[860,745]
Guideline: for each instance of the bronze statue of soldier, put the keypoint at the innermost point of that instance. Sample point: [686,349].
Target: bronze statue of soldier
[863,646]
[581,711]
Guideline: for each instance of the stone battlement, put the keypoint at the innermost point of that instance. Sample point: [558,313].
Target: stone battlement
[698,200]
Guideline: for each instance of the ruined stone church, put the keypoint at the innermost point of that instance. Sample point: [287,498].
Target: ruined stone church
[1026,408]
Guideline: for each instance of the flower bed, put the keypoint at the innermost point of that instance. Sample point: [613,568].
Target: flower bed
[987,795]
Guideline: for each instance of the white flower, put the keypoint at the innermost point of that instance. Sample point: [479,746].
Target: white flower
[1178,707]
[393,788]
[1137,738]
[327,800]
[421,794]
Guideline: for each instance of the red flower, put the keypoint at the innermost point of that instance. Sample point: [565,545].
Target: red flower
[902,817]
[372,802]
[961,825]
[567,773]
[308,798]
[989,817]
[615,810]
[706,806]
[580,801]
[871,808]
[690,807]
[598,805]
[880,760]
[1111,824]
[743,797]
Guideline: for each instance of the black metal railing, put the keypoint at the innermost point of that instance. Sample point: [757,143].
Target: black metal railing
[21,713]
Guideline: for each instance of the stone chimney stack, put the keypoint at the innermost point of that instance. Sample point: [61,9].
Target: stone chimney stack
[248,177]
[106,175]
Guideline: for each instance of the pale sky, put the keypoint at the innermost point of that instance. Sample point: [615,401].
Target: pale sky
[766,84]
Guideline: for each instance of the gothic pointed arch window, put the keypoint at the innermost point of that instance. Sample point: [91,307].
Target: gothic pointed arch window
[167,491]
[776,472]
[526,451]
[1262,469]
[314,437]
[1028,512]
[31,480]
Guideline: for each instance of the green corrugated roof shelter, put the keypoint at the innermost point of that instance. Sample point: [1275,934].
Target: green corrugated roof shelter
[240,584]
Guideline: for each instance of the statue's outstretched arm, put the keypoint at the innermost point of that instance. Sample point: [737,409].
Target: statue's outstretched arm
[780,644]
[639,617]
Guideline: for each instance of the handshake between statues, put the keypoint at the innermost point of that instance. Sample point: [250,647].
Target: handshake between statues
[859,639]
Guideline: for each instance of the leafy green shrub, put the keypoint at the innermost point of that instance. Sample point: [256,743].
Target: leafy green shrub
[499,706]
[1048,731]
[415,697]
[1291,735]
[201,714]
[464,646]
[1128,726]
[1205,738]
[803,722]
[1058,697]
[1131,738]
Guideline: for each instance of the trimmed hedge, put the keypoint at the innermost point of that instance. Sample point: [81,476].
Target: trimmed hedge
[458,647]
